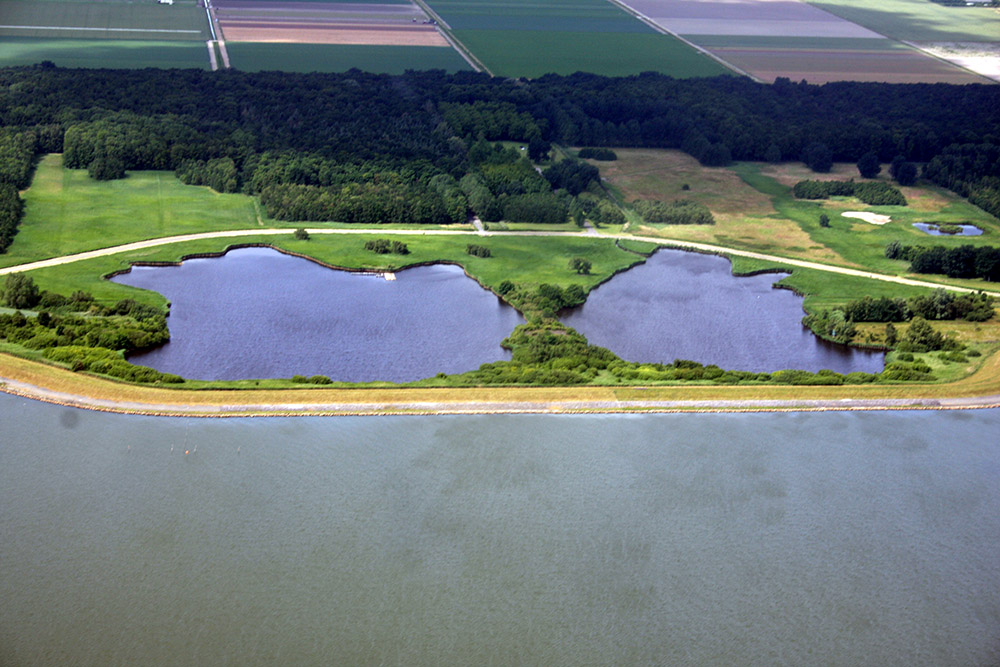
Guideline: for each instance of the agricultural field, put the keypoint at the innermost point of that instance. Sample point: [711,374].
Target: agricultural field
[966,36]
[256,57]
[108,33]
[103,20]
[322,36]
[523,38]
[98,53]
[325,23]
[798,40]
[532,54]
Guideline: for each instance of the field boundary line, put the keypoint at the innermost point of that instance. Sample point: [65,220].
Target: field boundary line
[455,42]
[56,27]
[663,242]
[667,31]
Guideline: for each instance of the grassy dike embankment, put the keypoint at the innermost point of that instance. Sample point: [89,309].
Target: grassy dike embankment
[47,383]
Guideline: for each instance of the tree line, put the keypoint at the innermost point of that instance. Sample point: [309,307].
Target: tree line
[965,261]
[874,193]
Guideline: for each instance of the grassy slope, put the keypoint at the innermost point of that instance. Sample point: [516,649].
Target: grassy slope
[96,53]
[919,20]
[67,211]
[254,57]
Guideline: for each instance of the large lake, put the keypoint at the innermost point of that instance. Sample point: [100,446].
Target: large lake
[781,539]
[683,305]
[257,313]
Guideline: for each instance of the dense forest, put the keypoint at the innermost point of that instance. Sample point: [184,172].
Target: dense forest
[422,147]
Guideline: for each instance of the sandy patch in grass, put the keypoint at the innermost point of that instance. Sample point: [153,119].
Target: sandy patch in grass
[872,218]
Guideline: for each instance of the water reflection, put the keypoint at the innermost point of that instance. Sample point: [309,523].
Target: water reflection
[682,305]
[257,313]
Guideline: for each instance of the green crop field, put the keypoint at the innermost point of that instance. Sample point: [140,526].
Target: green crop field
[532,54]
[123,54]
[919,20]
[102,20]
[255,57]
[561,15]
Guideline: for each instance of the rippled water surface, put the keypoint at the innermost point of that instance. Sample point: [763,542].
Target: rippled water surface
[798,539]
[256,313]
[682,305]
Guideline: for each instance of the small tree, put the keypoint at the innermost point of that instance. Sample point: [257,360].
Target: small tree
[818,157]
[301,234]
[772,154]
[580,265]
[868,165]
[891,335]
[20,291]
[906,174]
[824,220]
[538,149]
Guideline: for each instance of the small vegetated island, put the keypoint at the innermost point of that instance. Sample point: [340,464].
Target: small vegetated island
[515,181]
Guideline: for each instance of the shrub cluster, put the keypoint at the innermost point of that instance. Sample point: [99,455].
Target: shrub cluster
[603,154]
[478,250]
[874,193]
[386,247]
[313,379]
[679,212]
[107,362]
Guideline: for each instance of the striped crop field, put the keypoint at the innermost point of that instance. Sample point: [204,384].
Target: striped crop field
[526,38]
[67,19]
[801,40]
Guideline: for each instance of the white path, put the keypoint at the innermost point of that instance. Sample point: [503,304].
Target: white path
[668,243]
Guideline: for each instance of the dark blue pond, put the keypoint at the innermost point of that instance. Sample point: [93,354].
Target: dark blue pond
[682,305]
[934,229]
[257,313]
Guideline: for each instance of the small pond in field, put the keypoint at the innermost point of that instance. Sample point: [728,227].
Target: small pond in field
[682,305]
[257,313]
[934,229]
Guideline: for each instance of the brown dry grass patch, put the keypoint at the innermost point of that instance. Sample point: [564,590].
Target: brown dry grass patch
[742,214]
[373,35]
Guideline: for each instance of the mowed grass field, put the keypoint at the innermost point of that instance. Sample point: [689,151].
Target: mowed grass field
[256,57]
[526,38]
[533,54]
[66,211]
[103,20]
[99,53]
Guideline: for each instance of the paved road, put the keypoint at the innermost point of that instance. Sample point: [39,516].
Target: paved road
[686,245]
